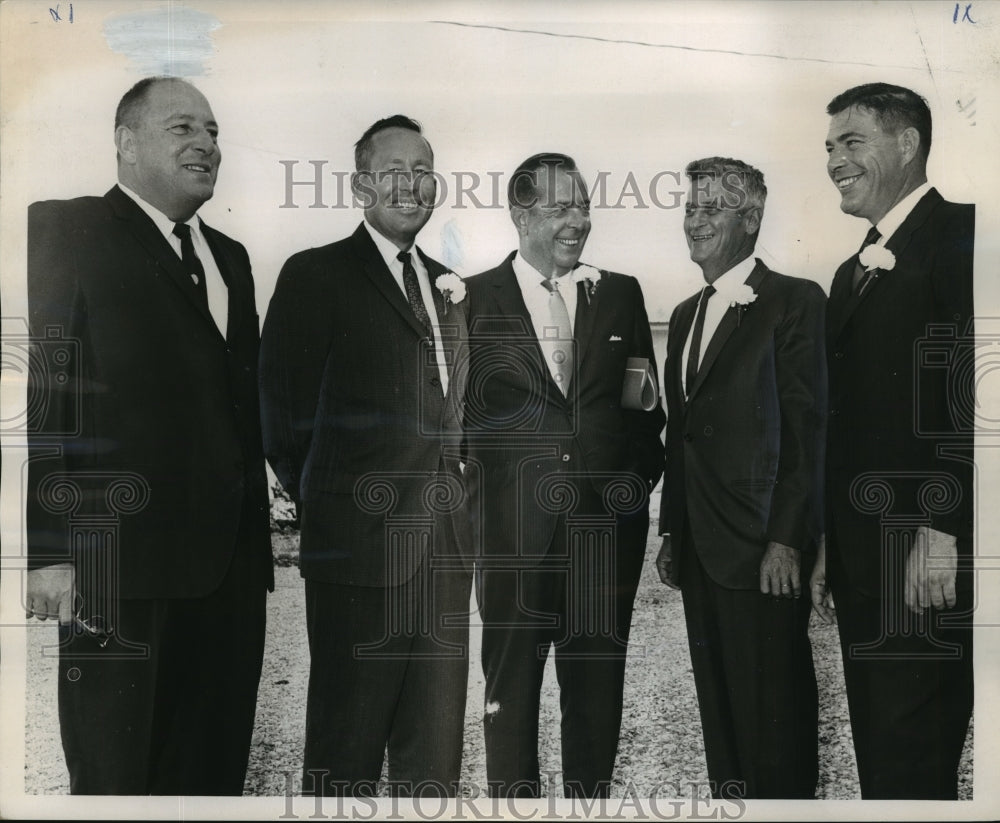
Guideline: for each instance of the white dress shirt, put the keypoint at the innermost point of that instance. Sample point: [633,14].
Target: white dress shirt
[389,252]
[218,293]
[897,214]
[715,309]
[536,298]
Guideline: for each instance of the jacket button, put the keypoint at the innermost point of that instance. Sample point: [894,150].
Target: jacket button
[435,381]
[688,438]
[834,412]
[565,458]
[839,355]
[709,431]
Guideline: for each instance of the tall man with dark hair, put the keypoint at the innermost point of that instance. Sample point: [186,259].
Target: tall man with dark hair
[745,382]
[560,468]
[362,375]
[147,513]
[899,453]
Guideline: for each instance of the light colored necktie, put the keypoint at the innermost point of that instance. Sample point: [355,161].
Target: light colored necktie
[557,342]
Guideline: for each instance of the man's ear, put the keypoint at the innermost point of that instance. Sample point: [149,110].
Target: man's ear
[752,219]
[908,142]
[125,143]
[519,217]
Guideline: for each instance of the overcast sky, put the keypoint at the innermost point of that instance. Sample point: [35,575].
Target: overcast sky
[633,100]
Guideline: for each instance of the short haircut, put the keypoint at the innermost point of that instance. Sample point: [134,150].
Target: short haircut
[735,175]
[130,106]
[522,190]
[364,147]
[894,108]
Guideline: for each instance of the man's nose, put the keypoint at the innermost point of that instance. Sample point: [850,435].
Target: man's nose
[694,218]
[204,142]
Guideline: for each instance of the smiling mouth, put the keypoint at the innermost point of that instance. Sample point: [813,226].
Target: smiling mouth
[846,182]
[700,238]
[198,167]
[405,205]
[569,242]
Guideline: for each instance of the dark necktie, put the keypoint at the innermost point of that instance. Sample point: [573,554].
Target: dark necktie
[694,353]
[861,277]
[192,265]
[412,287]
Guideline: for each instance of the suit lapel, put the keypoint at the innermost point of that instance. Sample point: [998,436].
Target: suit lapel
[234,284]
[730,320]
[510,304]
[375,269]
[584,319]
[847,302]
[453,328]
[152,240]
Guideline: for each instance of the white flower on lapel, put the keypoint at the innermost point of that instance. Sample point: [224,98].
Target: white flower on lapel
[877,257]
[743,295]
[739,297]
[452,287]
[590,277]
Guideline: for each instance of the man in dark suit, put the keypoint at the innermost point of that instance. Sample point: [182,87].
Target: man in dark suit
[147,510]
[558,477]
[362,377]
[899,476]
[745,382]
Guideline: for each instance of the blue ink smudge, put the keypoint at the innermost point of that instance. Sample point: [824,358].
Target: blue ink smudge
[175,41]
[451,245]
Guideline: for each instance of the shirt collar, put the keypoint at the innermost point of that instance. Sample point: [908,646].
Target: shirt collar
[897,214]
[528,276]
[736,276]
[163,223]
[389,250]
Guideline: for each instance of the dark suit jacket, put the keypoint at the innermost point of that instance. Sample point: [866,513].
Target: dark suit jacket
[355,424]
[744,452]
[522,431]
[901,390]
[138,384]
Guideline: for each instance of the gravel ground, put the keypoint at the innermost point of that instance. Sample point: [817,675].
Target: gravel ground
[660,739]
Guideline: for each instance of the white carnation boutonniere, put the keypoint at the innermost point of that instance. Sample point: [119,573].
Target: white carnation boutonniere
[877,257]
[452,288]
[590,277]
[739,298]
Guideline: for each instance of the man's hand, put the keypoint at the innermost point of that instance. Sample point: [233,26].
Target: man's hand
[822,600]
[779,571]
[663,561]
[50,593]
[930,571]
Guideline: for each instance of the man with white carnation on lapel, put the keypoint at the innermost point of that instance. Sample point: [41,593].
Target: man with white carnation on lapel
[745,383]
[362,374]
[563,450]
[899,478]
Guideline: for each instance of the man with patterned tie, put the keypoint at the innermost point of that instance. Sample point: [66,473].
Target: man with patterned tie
[899,478]
[362,373]
[147,512]
[559,473]
[745,382]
